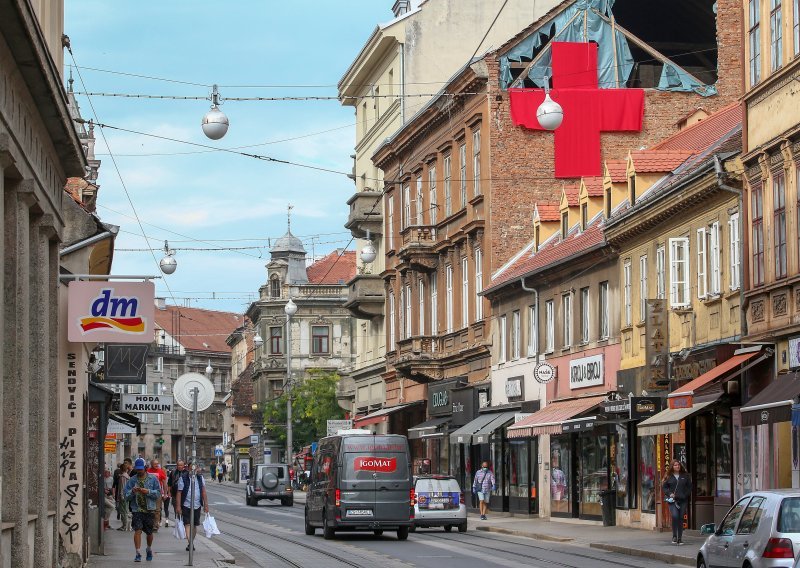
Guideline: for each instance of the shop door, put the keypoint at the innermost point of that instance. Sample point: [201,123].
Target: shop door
[593,474]
[519,476]
[746,458]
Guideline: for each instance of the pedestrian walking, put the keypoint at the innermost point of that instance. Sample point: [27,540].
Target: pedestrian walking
[225,471]
[156,469]
[219,474]
[143,491]
[109,505]
[172,481]
[677,488]
[115,488]
[123,507]
[213,471]
[483,485]
[188,504]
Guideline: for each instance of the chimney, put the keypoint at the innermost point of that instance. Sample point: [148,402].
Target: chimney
[401,7]
[161,303]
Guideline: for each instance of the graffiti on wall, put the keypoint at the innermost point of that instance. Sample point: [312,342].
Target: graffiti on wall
[68,460]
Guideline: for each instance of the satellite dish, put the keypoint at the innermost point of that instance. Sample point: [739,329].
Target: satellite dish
[184,386]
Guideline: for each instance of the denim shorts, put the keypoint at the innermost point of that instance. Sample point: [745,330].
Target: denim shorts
[484,496]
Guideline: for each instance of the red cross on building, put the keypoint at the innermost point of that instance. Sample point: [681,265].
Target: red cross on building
[588,110]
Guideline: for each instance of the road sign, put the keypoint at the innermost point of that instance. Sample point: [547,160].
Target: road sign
[336,425]
[218,452]
[253,439]
[146,403]
[225,439]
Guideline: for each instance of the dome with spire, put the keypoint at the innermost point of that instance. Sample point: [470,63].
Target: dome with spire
[288,243]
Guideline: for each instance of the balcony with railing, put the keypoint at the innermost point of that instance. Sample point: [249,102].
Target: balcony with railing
[417,247]
[365,296]
[366,214]
[418,358]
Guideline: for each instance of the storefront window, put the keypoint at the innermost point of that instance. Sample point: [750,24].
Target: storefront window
[723,456]
[593,469]
[702,473]
[560,475]
[620,475]
[648,473]
[497,466]
[518,469]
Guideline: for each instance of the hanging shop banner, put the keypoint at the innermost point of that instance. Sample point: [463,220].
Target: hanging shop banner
[146,403]
[586,372]
[544,372]
[112,312]
[656,345]
[515,388]
[110,447]
[645,406]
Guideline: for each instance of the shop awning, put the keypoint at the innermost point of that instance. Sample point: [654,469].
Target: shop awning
[130,420]
[464,434]
[669,421]
[378,416]
[482,435]
[548,420]
[433,428]
[729,367]
[773,404]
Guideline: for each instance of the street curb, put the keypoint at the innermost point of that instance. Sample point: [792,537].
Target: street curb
[660,556]
[224,557]
[527,534]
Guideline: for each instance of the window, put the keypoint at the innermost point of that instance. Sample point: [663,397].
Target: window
[158,367]
[757,214]
[729,522]
[364,119]
[626,291]
[533,331]
[376,92]
[408,311]
[158,419]
[632,189]
[420,203]
[390,221]
[608,202]
[643,287]
[661,278]
[476,162]
[276,340]
[478,284]
[566,310]
[550,339]
[752,516]
[406,207]
[735,251]
[796,24]
[779,223]
[789,515]
[515,335]
[275,286]
[584,216]
[679,272]
[462,164]
[775,34]
[536,238]
[754,41]
[432,193]
[448,306]
[421,296]
[702,281]
[715,278]
[158,388]
[448,178]
[402,314]
[175,418]
[392,330]
[320,336]
[501,344]
[584,315]
[464,292]
[604,313]
[434,305]
[564,225]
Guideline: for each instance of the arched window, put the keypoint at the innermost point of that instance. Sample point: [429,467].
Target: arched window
[275,287]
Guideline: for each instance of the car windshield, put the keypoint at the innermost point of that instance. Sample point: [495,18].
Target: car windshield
[789,515]
[437,485]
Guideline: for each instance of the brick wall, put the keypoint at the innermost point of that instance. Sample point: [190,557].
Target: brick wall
[521,160]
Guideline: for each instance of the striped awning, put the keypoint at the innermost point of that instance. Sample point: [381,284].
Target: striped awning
[549,419]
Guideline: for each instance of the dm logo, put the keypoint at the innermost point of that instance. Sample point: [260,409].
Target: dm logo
[109,312]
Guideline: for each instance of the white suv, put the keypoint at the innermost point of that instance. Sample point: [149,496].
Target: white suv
[440,503]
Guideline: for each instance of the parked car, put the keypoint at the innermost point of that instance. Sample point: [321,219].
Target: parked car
[761,530]
[269,481]
[360,481]
[440,503]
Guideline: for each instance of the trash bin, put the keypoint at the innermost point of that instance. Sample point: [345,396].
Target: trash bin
[608,502]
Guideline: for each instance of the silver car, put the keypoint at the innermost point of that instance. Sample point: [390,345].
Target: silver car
[762,530]
[439,503]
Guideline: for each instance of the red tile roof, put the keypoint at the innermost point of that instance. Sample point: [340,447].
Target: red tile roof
[197,329]
[572,191]
[548,211]
[703,134]
[645,161]
[594,186]
[618,170]
[552,252]
[336,268]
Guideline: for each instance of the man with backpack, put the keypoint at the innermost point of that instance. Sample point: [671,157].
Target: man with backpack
[191,500]
[172,485]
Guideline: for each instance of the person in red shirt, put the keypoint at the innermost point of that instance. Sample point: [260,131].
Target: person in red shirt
[156,470]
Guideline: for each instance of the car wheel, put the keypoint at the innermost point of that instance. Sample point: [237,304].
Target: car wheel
[448,528]
[701,562]
[327,531]
[462,527]
[287,501]
[402,533]
[309,529]
[377,532]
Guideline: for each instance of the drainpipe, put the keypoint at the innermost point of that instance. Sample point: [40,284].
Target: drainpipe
[536,305]
[721,176]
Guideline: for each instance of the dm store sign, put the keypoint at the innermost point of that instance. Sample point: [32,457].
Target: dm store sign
[111,312]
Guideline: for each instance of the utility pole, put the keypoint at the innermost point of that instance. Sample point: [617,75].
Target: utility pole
[289,309]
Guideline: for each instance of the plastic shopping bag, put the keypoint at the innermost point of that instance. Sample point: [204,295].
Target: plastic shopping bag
[179,531]
[210,526]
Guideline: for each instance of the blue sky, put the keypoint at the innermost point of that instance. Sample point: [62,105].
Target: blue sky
[216,197]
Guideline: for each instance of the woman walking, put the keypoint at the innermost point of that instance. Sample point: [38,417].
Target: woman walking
[677,487]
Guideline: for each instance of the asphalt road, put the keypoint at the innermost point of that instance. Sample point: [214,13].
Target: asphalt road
[272,535]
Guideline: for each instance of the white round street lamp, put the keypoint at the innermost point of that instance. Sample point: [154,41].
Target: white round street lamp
[368,253]
[258,341]
[290,308]
[549,114]
[168,264]
[209,368]
[215,122]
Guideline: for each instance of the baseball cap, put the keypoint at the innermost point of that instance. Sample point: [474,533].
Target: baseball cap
[138,464]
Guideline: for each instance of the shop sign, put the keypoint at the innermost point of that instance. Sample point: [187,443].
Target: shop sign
[645,407]
[439,403]
[243,451]
[110,447]
[690,370]
[684,401]
[544,372]
[335,425]
[616,406]
[586,372]
[483,399]
[794,352]
[579,425]
[112,312]
[463,404]
[146,403]
[656,345]
[515,388]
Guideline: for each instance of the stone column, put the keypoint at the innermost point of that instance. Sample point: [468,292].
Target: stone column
[16,369]
[5,161]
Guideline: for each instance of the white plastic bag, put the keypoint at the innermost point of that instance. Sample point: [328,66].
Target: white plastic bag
[179,531]
[210,526]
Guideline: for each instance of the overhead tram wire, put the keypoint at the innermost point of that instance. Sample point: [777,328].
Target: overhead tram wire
[116,166]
